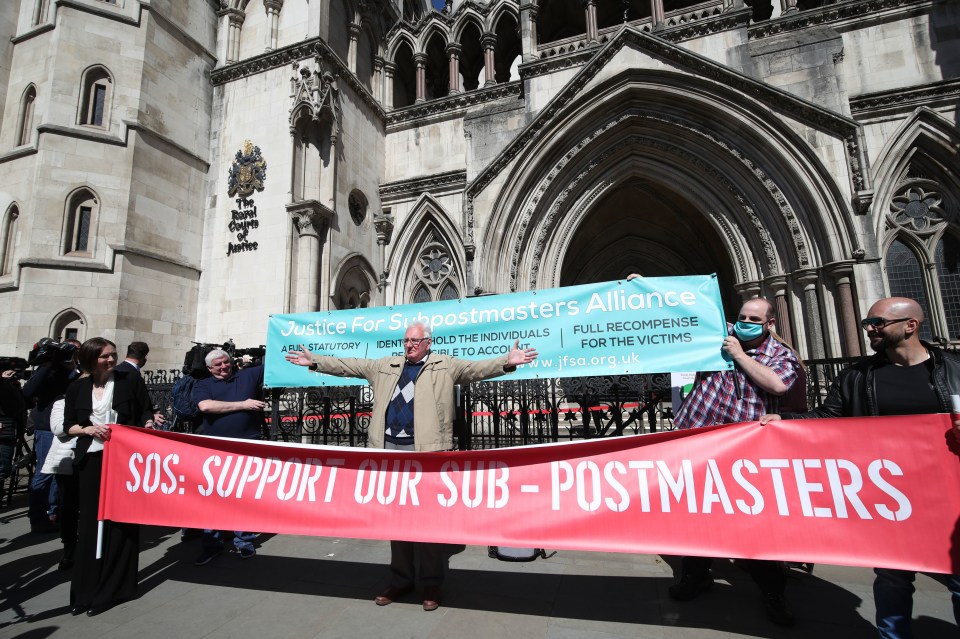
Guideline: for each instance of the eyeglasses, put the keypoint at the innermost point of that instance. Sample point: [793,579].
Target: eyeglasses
[880,322]
[413,341]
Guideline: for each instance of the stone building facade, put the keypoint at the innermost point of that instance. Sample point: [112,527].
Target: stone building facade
[177,170]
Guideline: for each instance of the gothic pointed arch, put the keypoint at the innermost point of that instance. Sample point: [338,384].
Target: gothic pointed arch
[435,27]
[498,10]
[399,38]
[70,323]
[24,134]
[772,199]
[467,16]
[925,149]
[315,127]
[427,252]
[9,226]
[355,283]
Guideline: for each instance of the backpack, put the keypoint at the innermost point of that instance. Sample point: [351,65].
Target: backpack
[182,393]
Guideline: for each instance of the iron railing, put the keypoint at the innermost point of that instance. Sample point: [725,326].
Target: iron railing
[493,414]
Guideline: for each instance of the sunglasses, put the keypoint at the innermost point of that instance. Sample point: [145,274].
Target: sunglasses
[880,322]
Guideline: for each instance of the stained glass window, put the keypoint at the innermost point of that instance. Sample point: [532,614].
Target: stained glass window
[906,279]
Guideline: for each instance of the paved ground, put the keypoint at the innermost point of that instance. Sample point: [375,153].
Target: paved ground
[322,587]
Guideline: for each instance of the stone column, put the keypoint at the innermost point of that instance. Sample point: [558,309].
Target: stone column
[453,56]
[489,42]
[383,224]
[781,309]
[272,8]
[376,83]
[354,31]
[389,69]
[842,273]
[811,304]
[528,32]
[421,60]
[590,13]
[656,14]
[311,229]
[233,39]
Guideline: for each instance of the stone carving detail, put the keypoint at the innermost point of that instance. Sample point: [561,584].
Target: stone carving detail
[247,172]
[840,12]
[905,99]
[456,102]
[314,86]
[429,184]
[526,218]
[435,265]
[916,209]
[816,116]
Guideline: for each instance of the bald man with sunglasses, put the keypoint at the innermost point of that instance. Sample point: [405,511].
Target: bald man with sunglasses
[907,376]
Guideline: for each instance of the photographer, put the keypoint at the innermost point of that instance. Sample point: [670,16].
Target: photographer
[13,416]
[56,368]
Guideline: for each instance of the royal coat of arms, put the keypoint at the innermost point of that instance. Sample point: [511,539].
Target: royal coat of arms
[248,171]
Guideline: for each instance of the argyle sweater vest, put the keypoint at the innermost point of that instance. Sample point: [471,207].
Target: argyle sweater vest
[400,409]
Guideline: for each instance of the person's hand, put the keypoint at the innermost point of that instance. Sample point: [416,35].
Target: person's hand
[100,431]
[634,276]
[8,374]
[301,357]
[159,419]
[252,404]
[732,347]
[766,419]
[518,356]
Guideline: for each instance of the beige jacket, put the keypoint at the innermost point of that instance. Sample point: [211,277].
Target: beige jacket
[433,405]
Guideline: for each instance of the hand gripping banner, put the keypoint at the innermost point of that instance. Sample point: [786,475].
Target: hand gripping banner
[882,491]
[646,325]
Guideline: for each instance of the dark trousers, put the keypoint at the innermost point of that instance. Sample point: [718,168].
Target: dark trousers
[769,575]
[69,514]
[413,560]
[113,578]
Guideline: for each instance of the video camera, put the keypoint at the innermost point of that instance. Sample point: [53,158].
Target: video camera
[50,350]
[17,364]
[194,363]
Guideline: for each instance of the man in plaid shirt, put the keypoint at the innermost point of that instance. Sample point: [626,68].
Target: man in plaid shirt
[764,369]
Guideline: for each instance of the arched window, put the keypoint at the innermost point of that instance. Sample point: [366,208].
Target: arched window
[79,222]
[68,324]
[25,119]
[437,71]
[471,57]
[95,97]
[507,55]
[404,77]
[8,239]
[947,258]
[906,279]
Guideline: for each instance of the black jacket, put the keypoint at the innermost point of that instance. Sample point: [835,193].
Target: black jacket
[130,399]
[854,394]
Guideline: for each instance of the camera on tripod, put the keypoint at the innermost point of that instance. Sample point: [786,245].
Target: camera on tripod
[50,350]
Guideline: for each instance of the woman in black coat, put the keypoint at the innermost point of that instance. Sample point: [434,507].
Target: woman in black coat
[100,398]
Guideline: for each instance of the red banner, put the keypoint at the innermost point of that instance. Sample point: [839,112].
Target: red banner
[881,491]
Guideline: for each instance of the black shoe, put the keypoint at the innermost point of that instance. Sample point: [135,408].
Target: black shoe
[778,610]
[690,586]
[207,556]
[96,610]
[78,610]
[65,564]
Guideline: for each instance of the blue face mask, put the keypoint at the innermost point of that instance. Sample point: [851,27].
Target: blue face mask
[748,331]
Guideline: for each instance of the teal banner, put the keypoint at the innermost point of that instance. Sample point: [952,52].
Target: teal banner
[646,325]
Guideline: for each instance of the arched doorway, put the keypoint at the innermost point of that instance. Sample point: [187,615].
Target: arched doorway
[642,226]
